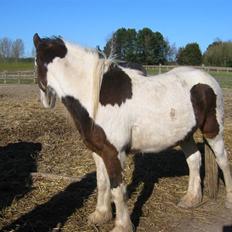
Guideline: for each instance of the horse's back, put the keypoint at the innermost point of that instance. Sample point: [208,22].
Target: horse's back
[164,112]
[194,76]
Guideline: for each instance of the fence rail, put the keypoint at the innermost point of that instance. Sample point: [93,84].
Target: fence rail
[162,68]
[20,77]
[222,74]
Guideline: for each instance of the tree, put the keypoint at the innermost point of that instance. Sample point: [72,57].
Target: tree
[171,52]
[151,47]
[190,55]
[219,53]
[144,46]
[17,49]
[5,48]
[33,52]
[122,44]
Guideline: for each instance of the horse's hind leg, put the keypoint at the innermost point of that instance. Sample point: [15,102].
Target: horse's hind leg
[103,211]
[217,145]
[194,193]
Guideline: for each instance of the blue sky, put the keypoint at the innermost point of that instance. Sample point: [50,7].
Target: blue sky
[91,23]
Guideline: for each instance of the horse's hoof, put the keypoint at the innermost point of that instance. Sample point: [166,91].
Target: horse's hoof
[228,203]
[119,228]
[99,218]
[190,201]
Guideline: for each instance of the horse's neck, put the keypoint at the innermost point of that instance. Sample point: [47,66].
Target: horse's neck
[84,80]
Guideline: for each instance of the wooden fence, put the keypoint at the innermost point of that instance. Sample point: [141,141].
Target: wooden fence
[18,77]
[165,68]
[21,77]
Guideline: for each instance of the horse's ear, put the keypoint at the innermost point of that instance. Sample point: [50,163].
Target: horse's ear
[36,40]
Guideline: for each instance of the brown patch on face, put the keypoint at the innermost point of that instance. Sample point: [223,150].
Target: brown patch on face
[204,104]
[116,87]
[46,50]
[95,139]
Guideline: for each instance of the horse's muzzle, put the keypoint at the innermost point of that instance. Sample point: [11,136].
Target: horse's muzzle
[51,97]
[48,98]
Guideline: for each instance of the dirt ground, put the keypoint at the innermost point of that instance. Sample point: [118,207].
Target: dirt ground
[38,140]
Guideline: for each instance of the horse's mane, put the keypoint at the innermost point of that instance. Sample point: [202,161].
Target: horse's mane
[102,66]
[99,62]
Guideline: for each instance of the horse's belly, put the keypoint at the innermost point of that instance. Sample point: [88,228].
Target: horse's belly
[160,134]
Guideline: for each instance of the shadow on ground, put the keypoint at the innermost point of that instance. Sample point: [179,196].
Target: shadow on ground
[17,161]
[227,228]
[57,210]
[149,168]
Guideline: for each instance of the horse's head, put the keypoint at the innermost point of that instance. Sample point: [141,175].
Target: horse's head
[47,49]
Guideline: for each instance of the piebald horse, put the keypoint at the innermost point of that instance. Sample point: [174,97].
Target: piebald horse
[117,109]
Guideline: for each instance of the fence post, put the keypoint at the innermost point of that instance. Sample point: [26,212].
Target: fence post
[160,71]
[5,77]
[34,75]
[203,67]
[18,77]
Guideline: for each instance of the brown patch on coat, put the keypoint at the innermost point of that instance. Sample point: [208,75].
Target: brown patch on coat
[116,87]
[135,66]
[46,50]
[95,139]
[204,104]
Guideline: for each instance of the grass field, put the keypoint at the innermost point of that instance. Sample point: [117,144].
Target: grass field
[16,66]
[224,78]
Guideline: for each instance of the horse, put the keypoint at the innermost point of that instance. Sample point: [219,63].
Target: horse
[119,110]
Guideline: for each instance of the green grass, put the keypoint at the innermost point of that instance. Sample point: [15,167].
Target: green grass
[221,74]
[224,78]
[12,66]
[155,71]
[16,66]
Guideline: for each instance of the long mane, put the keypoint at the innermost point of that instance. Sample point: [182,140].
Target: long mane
[99,64]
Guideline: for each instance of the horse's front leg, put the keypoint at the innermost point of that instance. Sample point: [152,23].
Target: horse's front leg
[103,212]
[113,162]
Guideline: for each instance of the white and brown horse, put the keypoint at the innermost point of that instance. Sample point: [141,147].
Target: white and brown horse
[117,109]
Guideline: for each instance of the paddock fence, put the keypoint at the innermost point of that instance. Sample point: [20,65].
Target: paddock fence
[165,68]
[222,74]
[18,77]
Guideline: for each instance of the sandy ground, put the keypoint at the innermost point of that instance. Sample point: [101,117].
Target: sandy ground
[34,139]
